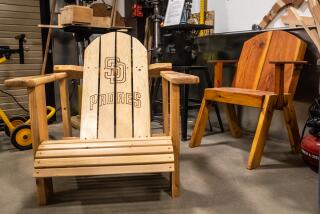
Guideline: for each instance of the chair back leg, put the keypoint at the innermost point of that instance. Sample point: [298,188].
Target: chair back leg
[233,121]
[292,125]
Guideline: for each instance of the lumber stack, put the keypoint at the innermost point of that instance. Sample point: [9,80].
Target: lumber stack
[314,7]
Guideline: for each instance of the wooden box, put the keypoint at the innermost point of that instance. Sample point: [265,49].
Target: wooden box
[101,22]
[74,14]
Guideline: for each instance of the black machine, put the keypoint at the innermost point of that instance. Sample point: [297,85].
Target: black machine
[6,51]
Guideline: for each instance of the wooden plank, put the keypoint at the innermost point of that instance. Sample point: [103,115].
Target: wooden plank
[261,132]
[290,119]
[142,150]
[18,98]
[291,20]
[13,41]
[20,15]
[23,8]
[218,69]
[26,61]
[65,108]
[15,112]
[179,78]
[165,107]
[107,74]
[233,97]
[200,125]
[156,68]
[135,141]
[125,96]
[21,2]
[251,61]
[314,8]
[141,97]
[6,67]
[13,105]
[7,74]
[103,161]
[29,54]
[100,145]
[32,81]
[4,87]
[18,28]
[107,170]
[175,134]
[233,121]
[14,92]
[89,110]
[16,21]
[30,47]
[31,35]
[292,49]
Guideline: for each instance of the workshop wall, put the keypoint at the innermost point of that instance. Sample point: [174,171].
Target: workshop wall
[235,15]
[17,17]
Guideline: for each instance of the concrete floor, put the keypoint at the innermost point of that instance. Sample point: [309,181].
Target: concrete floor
[214,179]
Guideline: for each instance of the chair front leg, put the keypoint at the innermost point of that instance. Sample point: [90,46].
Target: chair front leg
[261,132]
[175,134]
[39,133]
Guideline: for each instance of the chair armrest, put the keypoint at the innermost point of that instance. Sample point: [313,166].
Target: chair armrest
[73,71]
[156,68]
[279,76]
[228,61]
[33,81]
[179,78]
[279,62]
[218,68]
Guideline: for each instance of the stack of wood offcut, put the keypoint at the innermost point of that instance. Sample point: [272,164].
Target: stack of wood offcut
[313,32]
[95,15]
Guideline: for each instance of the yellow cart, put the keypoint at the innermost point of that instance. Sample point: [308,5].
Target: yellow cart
[19,129]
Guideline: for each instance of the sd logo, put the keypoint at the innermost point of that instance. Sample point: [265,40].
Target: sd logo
[119,71]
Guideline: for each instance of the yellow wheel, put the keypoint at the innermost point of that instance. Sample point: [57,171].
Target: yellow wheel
[21,137]
[15,121]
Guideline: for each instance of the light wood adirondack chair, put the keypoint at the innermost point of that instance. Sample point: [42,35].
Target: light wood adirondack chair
[266,78]
[115,135]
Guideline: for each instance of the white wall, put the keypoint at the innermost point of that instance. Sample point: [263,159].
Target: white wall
[240,15]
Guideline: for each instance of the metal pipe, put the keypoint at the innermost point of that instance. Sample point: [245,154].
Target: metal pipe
[156,29]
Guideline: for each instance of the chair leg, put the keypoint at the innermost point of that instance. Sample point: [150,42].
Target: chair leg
[233,121]
[261,132]
[175,188]
[200,125]
[44,189]
[292,126]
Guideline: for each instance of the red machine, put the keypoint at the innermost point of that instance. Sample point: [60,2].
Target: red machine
[310,148]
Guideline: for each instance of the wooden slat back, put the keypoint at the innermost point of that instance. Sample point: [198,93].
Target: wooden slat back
[283,46]
[115,77]
[254,70]
[251,61]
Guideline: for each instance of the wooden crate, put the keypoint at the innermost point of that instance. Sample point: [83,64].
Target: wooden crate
[74,14]
[102,22]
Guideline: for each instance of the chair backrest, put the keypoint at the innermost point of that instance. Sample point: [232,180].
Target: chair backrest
[115,99]
[254,70]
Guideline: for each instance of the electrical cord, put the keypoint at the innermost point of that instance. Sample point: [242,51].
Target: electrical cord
[15,100]
[26,110]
